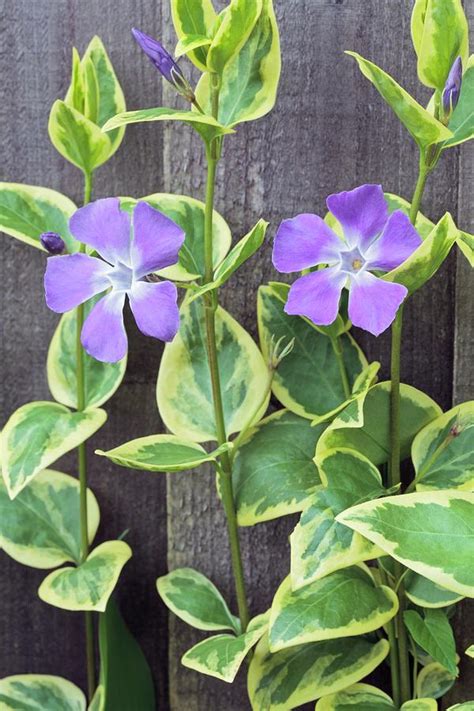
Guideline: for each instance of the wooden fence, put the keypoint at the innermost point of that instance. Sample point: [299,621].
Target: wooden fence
[329,131]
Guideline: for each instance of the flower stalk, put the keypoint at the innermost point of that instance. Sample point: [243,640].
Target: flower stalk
[82,467]
[210,306]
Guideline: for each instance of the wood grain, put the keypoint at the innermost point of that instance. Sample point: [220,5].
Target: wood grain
[329,131]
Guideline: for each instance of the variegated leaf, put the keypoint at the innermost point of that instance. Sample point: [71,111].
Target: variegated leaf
[37,434]
[293,677]
[434,681]
[274,473]
[194,18]
[196,600]
[319,544]
[429,532]
[40,692]
[101,380]
[443,452]
[77,139]
[370,434]
[461,122]
[41,527]
[426,593]
[434,635]
[26,211]
[466,706]
[354,406]
[312,353]
[184,385]
[325,609]
[236,23]
[89,585]
[222,656]
[356,698]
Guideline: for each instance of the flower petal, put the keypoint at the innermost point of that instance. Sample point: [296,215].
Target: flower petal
[155,309]
[72,279]
[362,213]
[304,241]
[397,242]
[103,335]
[105,227]
[373,303]
[156,240]
[317,295]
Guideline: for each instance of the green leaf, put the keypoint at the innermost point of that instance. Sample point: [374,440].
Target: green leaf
[196,600]
[250,79]
[75,93]
[461,123]
[91,87]
[312,353]
[295,676]
[442,452]
[189,42]
[425,593]
[76,138]
[184,390]
[354,406]
[466,245]
[40,527]
[371,435]
[466,706]
[433,633]
[470,651]
[207,127]
[357,697]
[325,609]
[238,20]
[423,225]
[420,705]
[26,211]
[434,681]
[222,656]
[98,700]
[40,692]
[243,250]
[101,379]
[125,676]
[319,544]
[440,34]
[430,533]
[425,261]
[274,473]
[110,99]
[160,453]
[421,125]
[89,585]
[37,434]
[194,18]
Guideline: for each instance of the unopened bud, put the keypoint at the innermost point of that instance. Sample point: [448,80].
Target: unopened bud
[452,88]
[52,242]
[278,351]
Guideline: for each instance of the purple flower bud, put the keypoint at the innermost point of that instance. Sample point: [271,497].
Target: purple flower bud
[52,242]
[452,88]
[165,63]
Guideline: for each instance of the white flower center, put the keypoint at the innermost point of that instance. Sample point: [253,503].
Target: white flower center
[352,261]
[121,277]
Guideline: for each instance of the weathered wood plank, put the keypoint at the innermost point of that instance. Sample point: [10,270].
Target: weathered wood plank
[35,61]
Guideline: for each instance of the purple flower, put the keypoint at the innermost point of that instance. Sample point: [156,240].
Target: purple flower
[452,88]
[373,241]
[72,279]
[165,63]
[52,242]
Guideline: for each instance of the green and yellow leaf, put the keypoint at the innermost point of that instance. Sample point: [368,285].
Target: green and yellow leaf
[184,391]
[442,452]
[41,527]
[319,544]
[426,593]
[26,211]
[434,681]
[429,532]
[434,635]
[274,473]
[357,697]
[461,122]
[89,585]
[77,139]
[295,676]
[196,600]
[222,656]
[194,18]
[238,20]
[40,692]
[37,434]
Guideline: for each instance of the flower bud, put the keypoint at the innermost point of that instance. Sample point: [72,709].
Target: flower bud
[165,64]
[452,88]
[52,242]
[278,350]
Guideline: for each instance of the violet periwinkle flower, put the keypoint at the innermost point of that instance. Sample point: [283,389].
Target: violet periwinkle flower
[52,242]
[129,253]
[165,63]
[452,88]
[372,240]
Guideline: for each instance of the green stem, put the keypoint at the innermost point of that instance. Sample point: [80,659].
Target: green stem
[210,305]
[402,687]
[392,638]
[82,466]
[337,347]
